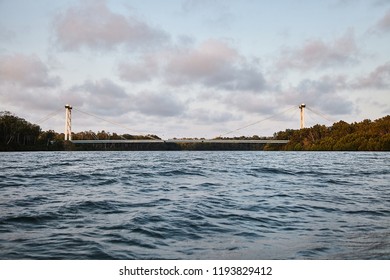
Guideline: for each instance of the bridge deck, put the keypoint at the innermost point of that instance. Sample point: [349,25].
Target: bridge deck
[180,141]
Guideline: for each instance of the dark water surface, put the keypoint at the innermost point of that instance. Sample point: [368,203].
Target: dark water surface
[194,205]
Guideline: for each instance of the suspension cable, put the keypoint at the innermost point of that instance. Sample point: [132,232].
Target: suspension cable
[115,123]
[49,116]
[251,124]
[321,115]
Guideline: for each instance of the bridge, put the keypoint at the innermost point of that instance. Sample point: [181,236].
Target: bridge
[151,139]
[68,136]
[177,141]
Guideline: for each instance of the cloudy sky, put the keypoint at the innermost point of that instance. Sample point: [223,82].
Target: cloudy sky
[194,68]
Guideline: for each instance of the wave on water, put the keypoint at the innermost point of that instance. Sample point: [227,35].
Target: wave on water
[194,205]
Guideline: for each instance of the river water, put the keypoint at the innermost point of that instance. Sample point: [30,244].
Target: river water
[195,205]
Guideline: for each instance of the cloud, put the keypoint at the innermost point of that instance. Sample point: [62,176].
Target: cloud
[26,71]
[381,2]
[102,97]
[106,98]
[206,116]
[93,25]
[146,69]
[157,104]
[28,100]
[212,64]
[26,84]
[383,25]
[322,93]
[317,54]
[325,93]
[377,79]
[215,14]
[251,103]
[326,84]
[206,64]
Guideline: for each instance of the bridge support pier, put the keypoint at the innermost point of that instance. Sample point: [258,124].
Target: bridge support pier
[302,107]
[68,122]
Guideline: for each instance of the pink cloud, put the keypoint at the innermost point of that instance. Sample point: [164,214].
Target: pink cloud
[146,69]
[26,83]
[212,64]
[26,71]
[384,23]
[377,79]
[209,58]
[92,24]
[316,54]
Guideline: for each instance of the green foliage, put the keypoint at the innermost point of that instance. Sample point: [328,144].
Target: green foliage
[17,133]
[363,136]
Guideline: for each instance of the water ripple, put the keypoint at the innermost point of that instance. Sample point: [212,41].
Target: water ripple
[194,205]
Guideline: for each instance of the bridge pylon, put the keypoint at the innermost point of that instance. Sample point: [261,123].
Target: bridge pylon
[68,122]
[302,107]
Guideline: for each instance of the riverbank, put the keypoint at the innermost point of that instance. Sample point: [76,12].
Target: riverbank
[17,134]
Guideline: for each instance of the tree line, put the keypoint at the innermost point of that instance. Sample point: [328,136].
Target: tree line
[366,135]
[17,134]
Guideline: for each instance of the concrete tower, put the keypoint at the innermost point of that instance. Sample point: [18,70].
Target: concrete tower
[68,122]
[302,107]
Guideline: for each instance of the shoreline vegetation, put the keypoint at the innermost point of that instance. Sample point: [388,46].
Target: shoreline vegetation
[17,134]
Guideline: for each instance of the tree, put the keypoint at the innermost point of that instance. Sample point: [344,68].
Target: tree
[16,132]
[362,136]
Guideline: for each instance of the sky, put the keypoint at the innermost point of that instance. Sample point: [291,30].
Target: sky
[194,68]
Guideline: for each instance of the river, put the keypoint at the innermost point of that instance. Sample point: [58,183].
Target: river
[195,205]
